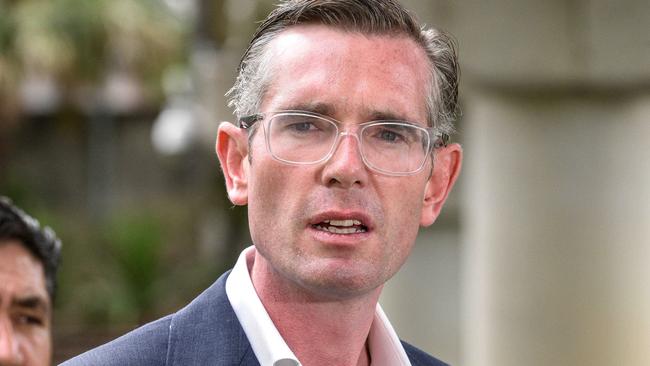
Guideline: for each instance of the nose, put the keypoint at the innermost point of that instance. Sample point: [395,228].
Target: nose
[9,351]
[345,168]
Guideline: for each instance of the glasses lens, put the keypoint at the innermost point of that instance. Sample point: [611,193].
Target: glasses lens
[397,148]
[300,138]
[388,147]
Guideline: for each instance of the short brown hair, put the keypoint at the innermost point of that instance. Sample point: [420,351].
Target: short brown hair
[381,17]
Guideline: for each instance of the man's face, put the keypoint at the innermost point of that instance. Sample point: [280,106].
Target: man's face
[353,78]
[25,329]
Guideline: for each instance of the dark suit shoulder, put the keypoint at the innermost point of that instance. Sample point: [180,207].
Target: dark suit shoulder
[205,332]
[421,358]
[144,346]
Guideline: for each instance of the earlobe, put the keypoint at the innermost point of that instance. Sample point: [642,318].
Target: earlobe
[232,150]
[448,161]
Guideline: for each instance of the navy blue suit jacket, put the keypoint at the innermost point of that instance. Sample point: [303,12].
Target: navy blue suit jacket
[205,332]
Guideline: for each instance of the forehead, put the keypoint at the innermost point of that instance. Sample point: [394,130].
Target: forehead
[348,71]
[21,275]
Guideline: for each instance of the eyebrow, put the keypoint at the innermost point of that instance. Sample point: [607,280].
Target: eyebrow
[33,302]
[328,110]
[314,107]
[387,116]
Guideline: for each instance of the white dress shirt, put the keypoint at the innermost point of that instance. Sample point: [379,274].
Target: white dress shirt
[267,343]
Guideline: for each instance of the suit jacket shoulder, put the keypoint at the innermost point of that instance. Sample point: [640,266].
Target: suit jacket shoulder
[144,346]
[207,332]
[419,357]
[204,332]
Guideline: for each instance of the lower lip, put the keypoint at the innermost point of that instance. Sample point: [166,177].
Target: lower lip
[338,239]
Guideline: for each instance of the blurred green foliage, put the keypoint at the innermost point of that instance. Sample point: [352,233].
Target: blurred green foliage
[76,42]
[136,244]
[146,254]
[119,270]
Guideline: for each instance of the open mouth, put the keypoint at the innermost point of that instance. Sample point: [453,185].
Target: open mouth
[345,227]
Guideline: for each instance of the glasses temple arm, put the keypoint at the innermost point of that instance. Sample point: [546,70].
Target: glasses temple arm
[247,121]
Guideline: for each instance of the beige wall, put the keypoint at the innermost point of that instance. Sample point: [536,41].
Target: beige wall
[557,239]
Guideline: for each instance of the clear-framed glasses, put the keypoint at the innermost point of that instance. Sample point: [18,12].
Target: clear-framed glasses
[389,147]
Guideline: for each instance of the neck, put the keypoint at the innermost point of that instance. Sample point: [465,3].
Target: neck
[321,330]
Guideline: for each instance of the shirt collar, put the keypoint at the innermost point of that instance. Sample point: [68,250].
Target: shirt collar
[267,343]
[385,346]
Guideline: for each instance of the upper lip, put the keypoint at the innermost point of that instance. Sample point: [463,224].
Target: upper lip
[342,215]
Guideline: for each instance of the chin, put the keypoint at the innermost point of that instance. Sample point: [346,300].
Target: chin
[341,283]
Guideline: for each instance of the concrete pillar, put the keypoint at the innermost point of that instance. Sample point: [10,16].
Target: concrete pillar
[557,239]
[555,216]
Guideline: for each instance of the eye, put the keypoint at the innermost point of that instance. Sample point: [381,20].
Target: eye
[298,125]
[301,126]
[29,320]
[389,136]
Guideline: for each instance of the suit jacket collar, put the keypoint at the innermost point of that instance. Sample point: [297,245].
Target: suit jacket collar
[207,332]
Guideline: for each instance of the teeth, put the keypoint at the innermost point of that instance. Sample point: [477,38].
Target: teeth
[342,226]
[344,223]
[338,230]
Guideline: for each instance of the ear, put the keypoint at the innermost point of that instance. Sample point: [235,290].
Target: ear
[448,161]
[232,150]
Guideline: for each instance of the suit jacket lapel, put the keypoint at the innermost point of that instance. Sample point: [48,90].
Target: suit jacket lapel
[207,332]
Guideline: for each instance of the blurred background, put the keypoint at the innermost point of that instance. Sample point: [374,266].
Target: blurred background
[108,113]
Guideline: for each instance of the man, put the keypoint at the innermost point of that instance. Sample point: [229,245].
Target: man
[340,153]
[29,257]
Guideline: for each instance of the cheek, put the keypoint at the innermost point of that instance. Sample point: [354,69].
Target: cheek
[38,346]
[406,201]
[267,184]
[262,182]
[271,194]
[46,349]
[403,218]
